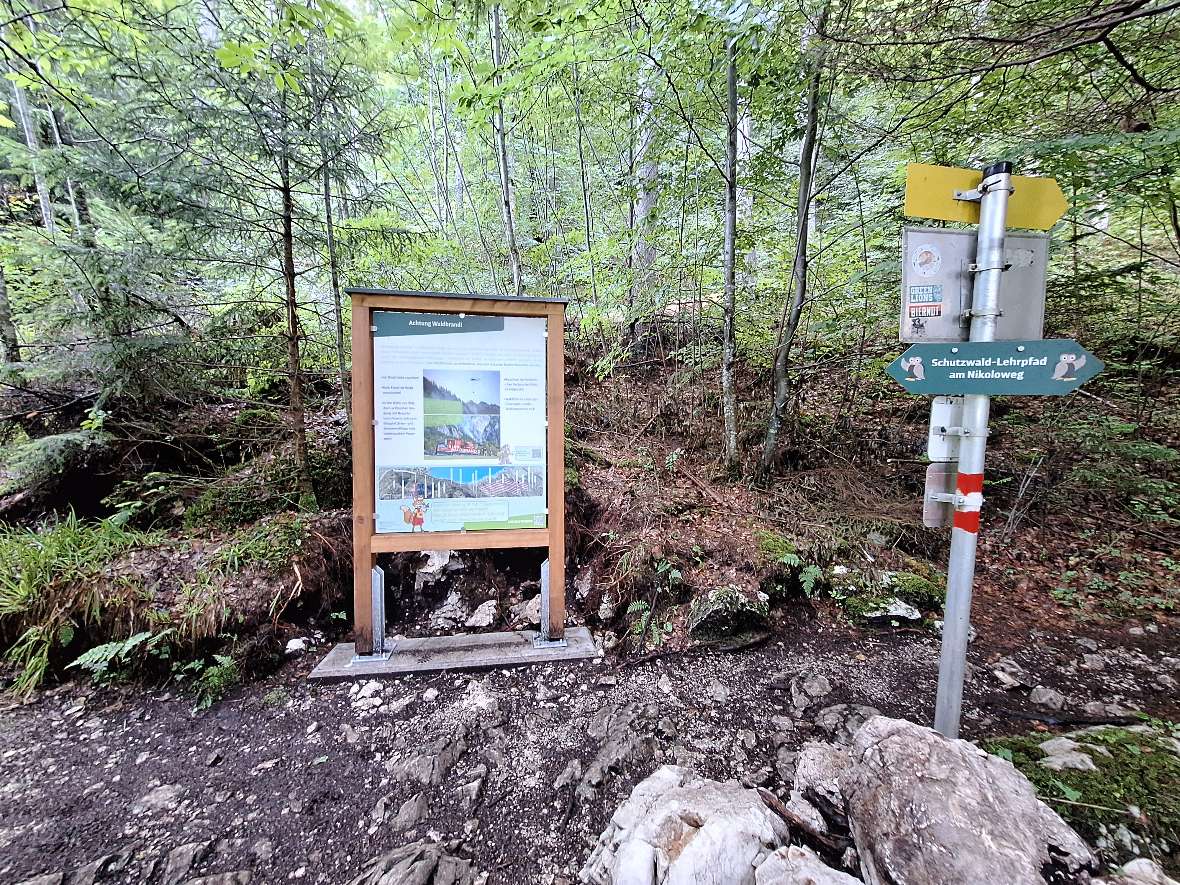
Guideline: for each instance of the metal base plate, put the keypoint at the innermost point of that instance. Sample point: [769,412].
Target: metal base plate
[383,655]
[476,651]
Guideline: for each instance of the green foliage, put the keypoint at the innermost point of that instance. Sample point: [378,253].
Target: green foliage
[43,587]
[34,564]
[270,484]
[1113,458]
[1137,785]
[645,626]
[216,680]
[271,544]
[793,571]
[42,460]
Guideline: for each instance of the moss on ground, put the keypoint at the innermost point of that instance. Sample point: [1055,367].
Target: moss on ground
[1137,787]
[776,548]
[270,485]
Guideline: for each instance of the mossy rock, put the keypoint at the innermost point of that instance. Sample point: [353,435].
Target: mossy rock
[724,611]
[790,567]
[776,548]
[1142,772]
[918,590]
[845,581]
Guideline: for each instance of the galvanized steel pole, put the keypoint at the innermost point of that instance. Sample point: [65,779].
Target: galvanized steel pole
[994,191]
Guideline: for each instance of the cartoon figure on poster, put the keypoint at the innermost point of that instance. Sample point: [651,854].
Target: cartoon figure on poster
[415,514]
[1067,366]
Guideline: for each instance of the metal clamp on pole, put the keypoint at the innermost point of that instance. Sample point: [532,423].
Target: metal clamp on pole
[992,193]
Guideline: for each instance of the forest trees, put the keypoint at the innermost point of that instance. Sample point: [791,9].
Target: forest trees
[189,188]
[222,127]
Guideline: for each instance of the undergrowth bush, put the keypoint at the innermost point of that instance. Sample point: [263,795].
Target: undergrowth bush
[270,484]
[1142,472]
[122,604]
[45,591]
[33,463]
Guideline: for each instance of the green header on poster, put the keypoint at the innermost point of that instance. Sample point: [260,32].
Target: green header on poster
[393,324]
[1049,367]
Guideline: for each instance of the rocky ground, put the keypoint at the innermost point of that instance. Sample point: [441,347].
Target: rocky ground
[516,771]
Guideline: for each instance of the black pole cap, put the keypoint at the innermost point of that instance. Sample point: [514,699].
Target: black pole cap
[997,168]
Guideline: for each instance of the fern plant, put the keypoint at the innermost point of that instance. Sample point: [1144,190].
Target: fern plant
[109,659]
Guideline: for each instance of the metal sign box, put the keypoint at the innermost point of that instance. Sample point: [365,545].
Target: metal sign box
[937,511]
[937,283]
[946,426]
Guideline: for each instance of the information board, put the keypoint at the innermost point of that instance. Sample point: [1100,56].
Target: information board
[460,422]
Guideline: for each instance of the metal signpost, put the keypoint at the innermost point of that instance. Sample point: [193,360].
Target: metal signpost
[956,300]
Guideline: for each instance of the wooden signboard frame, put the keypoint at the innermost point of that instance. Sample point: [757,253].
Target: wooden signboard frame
[366,541]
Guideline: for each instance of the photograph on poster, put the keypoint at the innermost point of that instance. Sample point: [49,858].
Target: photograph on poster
[396,483]
[460,420]
[460,414]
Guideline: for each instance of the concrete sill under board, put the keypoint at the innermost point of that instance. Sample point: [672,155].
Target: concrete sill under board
[466,651]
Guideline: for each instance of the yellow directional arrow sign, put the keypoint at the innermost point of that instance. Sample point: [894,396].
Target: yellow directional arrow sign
[1035,203]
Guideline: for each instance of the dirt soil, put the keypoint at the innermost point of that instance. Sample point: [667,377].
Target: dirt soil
[294,780]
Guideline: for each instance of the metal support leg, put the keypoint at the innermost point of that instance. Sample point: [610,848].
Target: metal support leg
[544,640]
[381,646]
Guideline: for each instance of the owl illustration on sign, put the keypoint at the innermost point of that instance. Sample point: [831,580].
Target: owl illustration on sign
[914,370]
[1067,366]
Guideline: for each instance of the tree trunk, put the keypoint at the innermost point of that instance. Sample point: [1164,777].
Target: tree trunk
[294,368]
[9,345]
[83,224]
[789,325]
[586,213]
[330,237]
[28,125]
[75,214]
[506,199]
[334,275]
[647,168]
[728,338]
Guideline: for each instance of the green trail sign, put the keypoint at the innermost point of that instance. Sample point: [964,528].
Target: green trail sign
[1050,367]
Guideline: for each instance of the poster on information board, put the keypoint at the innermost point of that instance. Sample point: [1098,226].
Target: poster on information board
[459,421]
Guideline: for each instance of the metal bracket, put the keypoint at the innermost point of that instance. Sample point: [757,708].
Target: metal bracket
[376,657]
[543,640]
[974,195]
[954,431]
[968,313]
[975,268]
[948,498]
